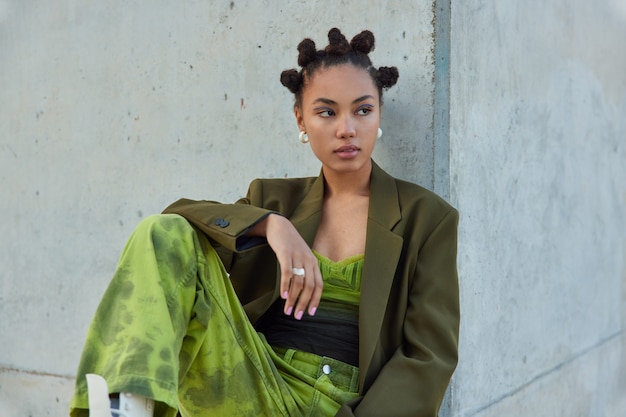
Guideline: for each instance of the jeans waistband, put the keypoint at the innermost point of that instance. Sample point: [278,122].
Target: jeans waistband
[341,374]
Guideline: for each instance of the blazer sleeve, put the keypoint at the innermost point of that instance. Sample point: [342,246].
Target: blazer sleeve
[414,380]
[226,225]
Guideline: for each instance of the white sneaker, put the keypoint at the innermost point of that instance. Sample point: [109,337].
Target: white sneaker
[130,405]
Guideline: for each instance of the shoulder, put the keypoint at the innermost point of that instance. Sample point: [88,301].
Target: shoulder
[279,194]
[425,216]
[409,195]
[424,212]
[283,184]
[420,210]
[427,201]
[414,194]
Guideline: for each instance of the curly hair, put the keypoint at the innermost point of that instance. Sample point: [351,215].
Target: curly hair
[339,51]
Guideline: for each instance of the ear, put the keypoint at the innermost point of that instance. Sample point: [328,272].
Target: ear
[299,119]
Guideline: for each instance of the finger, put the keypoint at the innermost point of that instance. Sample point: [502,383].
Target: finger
[308,289]
[316,296]
[286,275]
[295,287]
[285,279]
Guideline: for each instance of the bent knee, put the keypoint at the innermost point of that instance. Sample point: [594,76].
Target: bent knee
[170,230]
[174,232]
[166,222]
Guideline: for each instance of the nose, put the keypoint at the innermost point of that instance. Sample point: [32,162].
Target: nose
[345,127]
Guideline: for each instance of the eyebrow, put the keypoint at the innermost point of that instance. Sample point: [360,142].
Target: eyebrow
[332,102]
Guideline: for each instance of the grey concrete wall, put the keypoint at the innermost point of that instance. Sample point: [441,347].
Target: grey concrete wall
[538,171]
[110,110]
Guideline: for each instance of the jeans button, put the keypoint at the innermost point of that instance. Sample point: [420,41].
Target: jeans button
[326,369]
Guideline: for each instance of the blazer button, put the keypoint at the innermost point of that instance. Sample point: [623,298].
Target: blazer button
[222,222]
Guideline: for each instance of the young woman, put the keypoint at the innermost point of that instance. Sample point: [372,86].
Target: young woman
[322,296]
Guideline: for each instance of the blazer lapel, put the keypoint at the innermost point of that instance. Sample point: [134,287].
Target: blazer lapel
[307,216]
[382,252]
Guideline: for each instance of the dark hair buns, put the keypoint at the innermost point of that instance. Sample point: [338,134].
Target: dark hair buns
[339,51]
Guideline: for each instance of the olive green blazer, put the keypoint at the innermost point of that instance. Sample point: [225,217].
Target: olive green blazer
[409,309]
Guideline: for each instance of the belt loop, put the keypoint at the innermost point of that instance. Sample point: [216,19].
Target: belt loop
[289,355]
[354,384]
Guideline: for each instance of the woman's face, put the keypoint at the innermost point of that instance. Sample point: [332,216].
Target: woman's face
[340,112]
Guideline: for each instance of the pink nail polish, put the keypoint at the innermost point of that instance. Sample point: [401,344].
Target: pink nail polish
[285,294]
[299,314]
[289,310]
[312,311]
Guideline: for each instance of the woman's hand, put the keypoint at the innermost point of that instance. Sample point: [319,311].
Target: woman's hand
[303,292]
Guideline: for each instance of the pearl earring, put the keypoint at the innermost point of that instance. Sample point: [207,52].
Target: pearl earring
[304,138]
[379,134]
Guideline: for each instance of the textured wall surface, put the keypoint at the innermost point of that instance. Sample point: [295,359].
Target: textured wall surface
[538,171]
[111,110]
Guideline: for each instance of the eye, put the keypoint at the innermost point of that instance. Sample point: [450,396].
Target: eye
[326,112]
[364,111]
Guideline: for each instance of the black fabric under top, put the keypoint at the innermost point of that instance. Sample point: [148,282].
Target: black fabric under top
[334,330]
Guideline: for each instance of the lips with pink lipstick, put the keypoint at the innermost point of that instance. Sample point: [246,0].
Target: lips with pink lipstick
[347,151]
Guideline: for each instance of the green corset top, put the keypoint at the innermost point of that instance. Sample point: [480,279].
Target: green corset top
[334,330]
[342,279]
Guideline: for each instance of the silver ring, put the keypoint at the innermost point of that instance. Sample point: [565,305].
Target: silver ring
[298,271]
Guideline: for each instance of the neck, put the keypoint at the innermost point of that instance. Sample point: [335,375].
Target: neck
[348,183]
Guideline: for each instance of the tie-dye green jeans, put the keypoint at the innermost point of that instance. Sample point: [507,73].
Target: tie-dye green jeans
[170,327]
